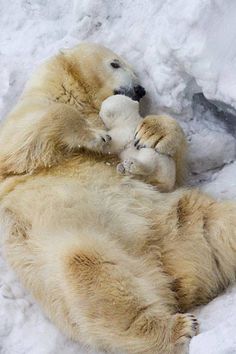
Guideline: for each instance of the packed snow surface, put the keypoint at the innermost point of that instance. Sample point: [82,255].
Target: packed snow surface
[183,51]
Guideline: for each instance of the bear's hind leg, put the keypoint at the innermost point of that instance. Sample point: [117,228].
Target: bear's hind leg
[117,307]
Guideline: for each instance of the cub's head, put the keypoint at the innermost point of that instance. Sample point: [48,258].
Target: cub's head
[104,73]
[118,111]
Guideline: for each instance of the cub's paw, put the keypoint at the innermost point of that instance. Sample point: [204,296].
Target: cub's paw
[99,141]
[185,327]
[120,168]
[129,167]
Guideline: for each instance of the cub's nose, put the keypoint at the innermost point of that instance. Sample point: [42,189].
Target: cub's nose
[139,92]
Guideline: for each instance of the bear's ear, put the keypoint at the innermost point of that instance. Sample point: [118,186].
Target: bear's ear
[64,50]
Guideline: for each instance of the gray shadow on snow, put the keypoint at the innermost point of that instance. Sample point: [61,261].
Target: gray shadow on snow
[222,111]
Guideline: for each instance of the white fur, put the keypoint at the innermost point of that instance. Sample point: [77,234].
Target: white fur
[120,115]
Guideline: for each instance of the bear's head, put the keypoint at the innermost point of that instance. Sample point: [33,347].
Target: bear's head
[103,73]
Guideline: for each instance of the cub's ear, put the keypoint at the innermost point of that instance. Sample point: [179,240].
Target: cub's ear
[135,105]
[106,114]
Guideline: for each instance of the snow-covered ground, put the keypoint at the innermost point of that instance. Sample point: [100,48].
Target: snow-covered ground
[179,49]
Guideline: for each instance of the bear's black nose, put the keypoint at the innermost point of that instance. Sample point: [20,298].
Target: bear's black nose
[139,92]
[136,92]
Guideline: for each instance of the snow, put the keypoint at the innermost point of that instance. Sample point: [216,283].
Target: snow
[179,48]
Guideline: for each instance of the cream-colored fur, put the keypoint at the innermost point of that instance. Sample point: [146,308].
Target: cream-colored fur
[121,117]
[113,263]
[57,113]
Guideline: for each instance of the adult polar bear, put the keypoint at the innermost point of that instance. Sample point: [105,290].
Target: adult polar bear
[111,261]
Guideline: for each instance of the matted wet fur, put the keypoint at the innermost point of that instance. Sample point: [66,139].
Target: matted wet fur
[114,263]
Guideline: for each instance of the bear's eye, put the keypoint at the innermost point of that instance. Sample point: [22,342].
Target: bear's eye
[115,65]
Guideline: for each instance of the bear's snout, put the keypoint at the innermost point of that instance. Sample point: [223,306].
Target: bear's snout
[136,93]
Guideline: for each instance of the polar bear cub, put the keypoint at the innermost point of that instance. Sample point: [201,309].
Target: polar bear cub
[121,117]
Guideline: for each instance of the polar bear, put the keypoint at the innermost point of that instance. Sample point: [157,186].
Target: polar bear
[121,117]
[114,263]
[57,112]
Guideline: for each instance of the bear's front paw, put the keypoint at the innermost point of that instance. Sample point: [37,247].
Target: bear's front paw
[185,327]
[99,141]
[161,133]
[147,134]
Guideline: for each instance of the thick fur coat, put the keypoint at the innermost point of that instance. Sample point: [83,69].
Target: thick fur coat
[114,263]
